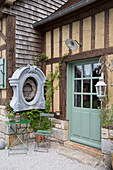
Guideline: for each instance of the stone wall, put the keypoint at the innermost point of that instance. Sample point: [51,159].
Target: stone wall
[107,141]
[3,126]
[60,130]
[59,134]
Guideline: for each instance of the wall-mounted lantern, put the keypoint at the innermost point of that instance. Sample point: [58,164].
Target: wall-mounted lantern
[72,44]
[101,88]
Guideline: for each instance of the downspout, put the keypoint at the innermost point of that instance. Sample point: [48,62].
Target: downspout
[63,12]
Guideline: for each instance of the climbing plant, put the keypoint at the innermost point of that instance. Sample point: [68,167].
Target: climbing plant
[34,114]
[107,113]
[49,88]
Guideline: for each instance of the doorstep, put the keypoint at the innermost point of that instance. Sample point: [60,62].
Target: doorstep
[84,154]
[88,150]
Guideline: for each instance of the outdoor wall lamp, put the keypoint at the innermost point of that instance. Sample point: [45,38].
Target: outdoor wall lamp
[101,88]
[72,44]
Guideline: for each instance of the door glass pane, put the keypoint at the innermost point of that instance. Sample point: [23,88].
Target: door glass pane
[87,70]
[86,101]
[77,100]
[94,83]
[77,86]
[96,69]
[86,86]
[95,102]
[78,71]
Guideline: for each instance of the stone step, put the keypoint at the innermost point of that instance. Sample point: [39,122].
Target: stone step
[81,157]
[85,149]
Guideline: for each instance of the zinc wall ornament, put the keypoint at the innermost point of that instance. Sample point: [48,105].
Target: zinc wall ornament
[28,89]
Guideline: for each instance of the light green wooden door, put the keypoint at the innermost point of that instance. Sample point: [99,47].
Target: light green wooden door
[82,103]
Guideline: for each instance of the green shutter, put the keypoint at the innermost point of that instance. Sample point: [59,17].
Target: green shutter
[2,73]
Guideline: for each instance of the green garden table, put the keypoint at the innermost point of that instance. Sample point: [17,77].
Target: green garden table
[18,135]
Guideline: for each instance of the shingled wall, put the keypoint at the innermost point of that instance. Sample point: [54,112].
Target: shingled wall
[28,41]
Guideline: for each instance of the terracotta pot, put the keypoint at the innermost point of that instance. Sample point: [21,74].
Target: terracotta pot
[39,138]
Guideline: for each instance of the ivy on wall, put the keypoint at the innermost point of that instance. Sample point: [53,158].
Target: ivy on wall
[34,114]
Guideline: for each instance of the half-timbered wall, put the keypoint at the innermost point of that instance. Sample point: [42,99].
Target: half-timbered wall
[7,50]
[3,49]
[28,41]
[94,32]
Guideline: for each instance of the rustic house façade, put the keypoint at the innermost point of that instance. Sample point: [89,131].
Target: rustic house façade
[20,43]
[90,22]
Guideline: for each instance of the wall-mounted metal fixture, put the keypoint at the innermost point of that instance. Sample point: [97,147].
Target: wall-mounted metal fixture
[103,63]
[101,88]
[72,44]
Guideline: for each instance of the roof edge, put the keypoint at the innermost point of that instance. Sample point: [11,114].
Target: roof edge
[63,12]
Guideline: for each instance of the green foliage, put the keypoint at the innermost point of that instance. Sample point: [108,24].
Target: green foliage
[11,113]
[34,114]
[40,57]
[45,124]
[107,113]
[51,77]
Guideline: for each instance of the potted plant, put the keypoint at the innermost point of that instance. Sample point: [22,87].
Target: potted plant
[44,125]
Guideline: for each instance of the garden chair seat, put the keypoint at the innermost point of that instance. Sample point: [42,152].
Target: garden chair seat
[44,135]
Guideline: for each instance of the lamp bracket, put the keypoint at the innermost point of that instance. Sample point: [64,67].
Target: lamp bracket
[78,43]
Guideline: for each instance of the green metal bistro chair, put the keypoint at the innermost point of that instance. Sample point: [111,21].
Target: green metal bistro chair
[42,136]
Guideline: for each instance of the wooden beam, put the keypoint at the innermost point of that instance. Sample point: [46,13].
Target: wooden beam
[60,41]
[3,47]
[43,64]
[106,33]
[93,32]
[63,85]
[52,47]
[2,35]
[10,50]
[83,55]
[81,35]
[70,35]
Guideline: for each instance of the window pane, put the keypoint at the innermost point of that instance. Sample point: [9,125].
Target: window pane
[86,86]
[94,83]
[78,71]
[77,100]
[77,86]
[95,102]
[87,70]
[96,69]
[86,101]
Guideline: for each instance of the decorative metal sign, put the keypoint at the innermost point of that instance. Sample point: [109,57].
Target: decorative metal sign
[28,89]
[103,62]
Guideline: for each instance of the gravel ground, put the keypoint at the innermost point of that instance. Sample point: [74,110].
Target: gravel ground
[39,160]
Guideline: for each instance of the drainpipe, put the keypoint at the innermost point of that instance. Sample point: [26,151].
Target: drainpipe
[68,10]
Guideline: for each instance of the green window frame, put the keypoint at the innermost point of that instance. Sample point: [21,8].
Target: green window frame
[3,73]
